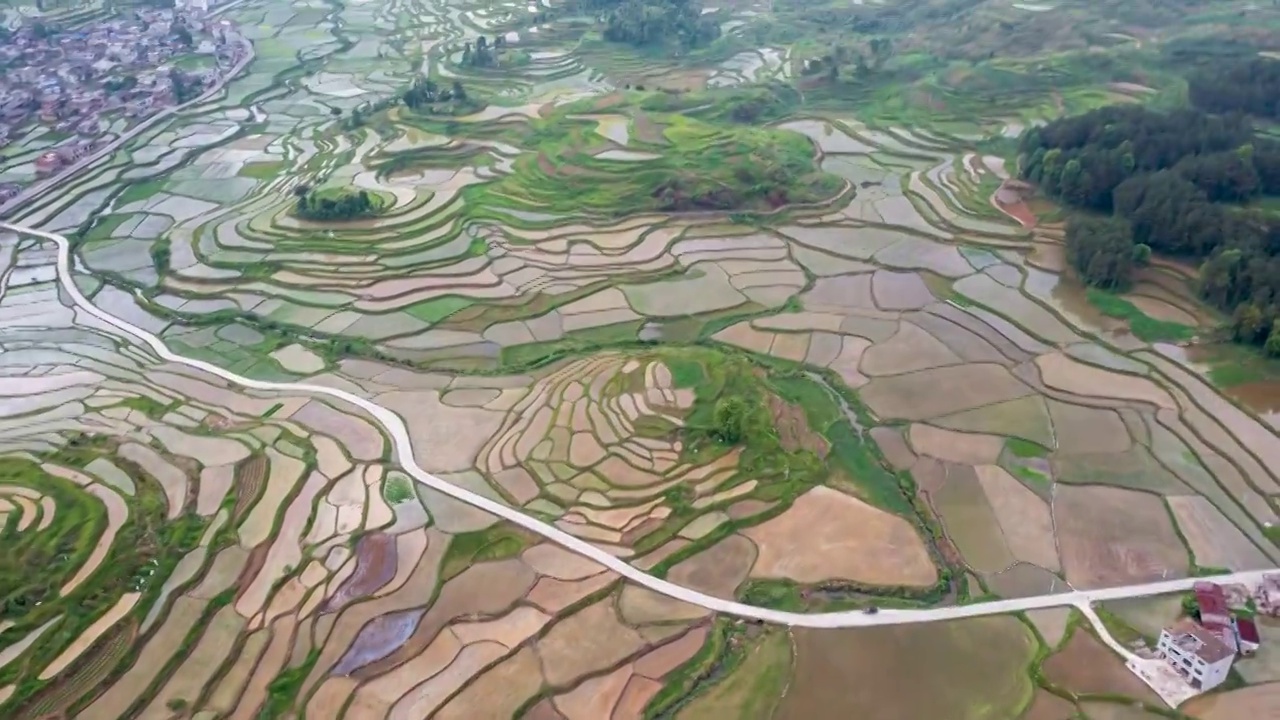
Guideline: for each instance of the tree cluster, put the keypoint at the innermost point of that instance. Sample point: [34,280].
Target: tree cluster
[1173,184]
[655,22]
[425,92]
[1249,86]
[484,54]
[841,56]
[346,206]
[185,87]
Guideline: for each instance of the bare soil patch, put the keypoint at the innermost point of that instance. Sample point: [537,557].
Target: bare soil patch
[909,350]
[1214,541]
[1088,430]
[974,670]
[942,391]
[827,535]
[1026,418]
[1085,666]
[793,428]
[1047,706]
[893,445]
[956,447]
[595,698]
[1061,372]
[1024,518]
[1109,536]
[590,639]
[497,693]
[1024,580]
[970,522]
[480,590]
[900,291]
[719,569]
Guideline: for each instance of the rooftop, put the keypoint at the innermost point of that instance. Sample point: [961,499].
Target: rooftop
[1199,641]
[1248,631]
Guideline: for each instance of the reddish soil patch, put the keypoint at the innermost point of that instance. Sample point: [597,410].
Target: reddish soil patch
[793,428]
[646,130]
[1019,211]
[1086,666]
[252,566]
[250,476]
[375,567]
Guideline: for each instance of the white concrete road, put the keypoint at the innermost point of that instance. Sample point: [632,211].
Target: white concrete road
[396,429]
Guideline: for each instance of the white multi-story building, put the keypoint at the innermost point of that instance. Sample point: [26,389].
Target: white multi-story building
[1197,654]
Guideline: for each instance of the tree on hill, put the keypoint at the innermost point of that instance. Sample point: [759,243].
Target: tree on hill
[654,22]
[345,206]
[1171,183]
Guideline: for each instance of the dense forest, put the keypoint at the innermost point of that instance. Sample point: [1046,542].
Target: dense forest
[654,22]
[1174,183]
[1250,86]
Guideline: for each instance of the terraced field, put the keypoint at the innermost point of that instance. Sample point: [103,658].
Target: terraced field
[802,361]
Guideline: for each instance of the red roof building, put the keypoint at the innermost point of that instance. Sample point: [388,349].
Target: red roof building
[1212,601]
[1247,631]
[48,162]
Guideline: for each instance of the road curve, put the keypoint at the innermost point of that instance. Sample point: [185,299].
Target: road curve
[395,427]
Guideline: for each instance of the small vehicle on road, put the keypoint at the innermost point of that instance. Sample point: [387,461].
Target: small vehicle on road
[871,610]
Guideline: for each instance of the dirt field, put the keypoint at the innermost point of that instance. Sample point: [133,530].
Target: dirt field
[972,668]
[1214,541]
[498,692]
[1088,430]
[1110,537]
[1024,518]
[1047,706]
[719,569]
[1258,702]
[909,350]
[971,523]
[916,397]
[591,639]
[956,447]
[826,535]
[1084,665]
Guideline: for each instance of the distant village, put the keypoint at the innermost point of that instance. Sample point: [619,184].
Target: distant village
[89,83]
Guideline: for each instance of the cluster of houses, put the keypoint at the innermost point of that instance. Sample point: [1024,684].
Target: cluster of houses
[74,79]
[1202,651]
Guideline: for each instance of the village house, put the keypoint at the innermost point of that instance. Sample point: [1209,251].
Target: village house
[1215,616]
[1197,654]
[48,163]
[1247,635]
[1268,595]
